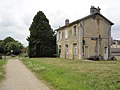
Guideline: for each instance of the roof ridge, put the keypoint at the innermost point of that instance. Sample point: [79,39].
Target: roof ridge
[77,21]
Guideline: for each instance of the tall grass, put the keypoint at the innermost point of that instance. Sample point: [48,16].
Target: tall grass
[2,62]
[77,75]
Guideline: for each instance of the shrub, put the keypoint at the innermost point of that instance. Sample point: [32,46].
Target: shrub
[0,56]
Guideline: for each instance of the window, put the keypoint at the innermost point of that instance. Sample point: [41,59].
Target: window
[105,50]
[66,34]
[60,35]
[66,49]
[75,31]
[57,36]
[75,49]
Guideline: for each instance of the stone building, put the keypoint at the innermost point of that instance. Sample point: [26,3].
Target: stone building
[115,44]
[115,48]
[85,37]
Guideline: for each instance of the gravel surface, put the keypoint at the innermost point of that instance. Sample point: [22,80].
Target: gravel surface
[18,77]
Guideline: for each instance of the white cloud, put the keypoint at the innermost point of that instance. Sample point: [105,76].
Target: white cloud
[16,15]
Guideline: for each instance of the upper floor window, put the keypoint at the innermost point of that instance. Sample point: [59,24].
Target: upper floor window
[66,34]
[57,36]
[75,31]
[60,35]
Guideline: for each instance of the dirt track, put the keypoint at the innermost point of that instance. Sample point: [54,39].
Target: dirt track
[18,77]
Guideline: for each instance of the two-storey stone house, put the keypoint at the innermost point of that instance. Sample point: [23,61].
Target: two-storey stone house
[85,37]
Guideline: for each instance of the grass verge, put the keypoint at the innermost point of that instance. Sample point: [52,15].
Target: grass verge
[2,62]
[77,75]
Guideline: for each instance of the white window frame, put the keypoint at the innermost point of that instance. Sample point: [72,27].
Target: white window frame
[66,34]
[57,36]
[60,35]
[75,49]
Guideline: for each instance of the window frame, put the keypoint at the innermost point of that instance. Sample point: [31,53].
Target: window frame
[60,35]
[66,34]
[75,51]
[75,30]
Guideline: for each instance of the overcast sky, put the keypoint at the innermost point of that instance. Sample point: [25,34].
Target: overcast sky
[17,15]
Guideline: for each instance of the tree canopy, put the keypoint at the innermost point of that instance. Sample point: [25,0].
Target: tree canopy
[9,44]
[42,42]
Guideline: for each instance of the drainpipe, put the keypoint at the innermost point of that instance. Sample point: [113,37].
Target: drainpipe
[83,39]
[109,56]
[65,51]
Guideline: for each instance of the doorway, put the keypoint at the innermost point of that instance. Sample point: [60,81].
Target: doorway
[86,52]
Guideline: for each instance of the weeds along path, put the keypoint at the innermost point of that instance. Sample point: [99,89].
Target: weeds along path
[18,77]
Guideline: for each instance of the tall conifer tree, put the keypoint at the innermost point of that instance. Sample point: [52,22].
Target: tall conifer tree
[42,42]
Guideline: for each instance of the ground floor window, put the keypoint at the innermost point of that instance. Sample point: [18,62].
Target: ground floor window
[66,49]
[75,49]
[86,52]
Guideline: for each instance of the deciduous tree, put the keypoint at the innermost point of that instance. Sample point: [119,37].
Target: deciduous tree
[9,44]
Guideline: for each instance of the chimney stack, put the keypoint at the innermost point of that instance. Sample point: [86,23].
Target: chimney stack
[94,10]
[66,22]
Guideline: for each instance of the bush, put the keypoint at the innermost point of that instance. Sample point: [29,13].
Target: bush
[0,56]
[24,55]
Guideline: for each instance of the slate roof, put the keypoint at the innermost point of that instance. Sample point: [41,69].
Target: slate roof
[77,21]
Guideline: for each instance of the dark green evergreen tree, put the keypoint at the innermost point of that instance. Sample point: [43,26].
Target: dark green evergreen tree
[42,40]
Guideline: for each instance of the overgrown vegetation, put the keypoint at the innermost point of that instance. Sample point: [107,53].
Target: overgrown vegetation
[10,46]
[2,62]
[77,75]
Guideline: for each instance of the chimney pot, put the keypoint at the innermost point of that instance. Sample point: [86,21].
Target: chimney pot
[67,22]
[94,10]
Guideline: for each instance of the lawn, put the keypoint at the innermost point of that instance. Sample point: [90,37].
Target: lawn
[2,62]
[75,74]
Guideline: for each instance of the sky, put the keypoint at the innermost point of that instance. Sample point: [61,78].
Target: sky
[16,16]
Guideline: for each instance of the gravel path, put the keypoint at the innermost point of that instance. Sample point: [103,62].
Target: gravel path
[18,77]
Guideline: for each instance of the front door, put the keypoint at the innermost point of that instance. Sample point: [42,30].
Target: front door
[86,52]
[105,53]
